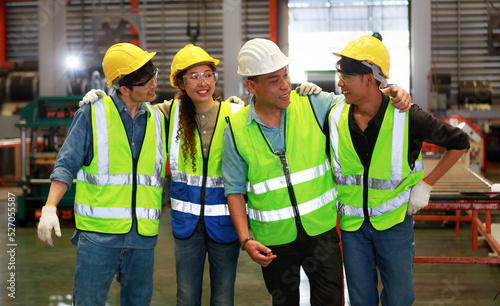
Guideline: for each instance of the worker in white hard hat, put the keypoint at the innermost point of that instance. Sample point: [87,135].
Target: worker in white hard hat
[119,182]
[275,153]
[201,224]
[378,170]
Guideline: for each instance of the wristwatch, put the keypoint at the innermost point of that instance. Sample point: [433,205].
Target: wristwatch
[242,246]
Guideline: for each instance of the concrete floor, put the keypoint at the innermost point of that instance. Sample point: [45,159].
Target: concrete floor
[44,275]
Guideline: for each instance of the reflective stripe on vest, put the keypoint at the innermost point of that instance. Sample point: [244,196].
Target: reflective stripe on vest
[114,190]
[188,186]
[287,212]
[398,179]
[117,212]
[274,206]
[297,178]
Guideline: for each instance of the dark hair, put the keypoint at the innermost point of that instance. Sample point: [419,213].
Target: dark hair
[137,76]
[187,119]
[348,65]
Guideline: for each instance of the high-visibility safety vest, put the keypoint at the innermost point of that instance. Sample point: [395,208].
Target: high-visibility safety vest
[382,191]
[115,189]
[198,196]
[292,189]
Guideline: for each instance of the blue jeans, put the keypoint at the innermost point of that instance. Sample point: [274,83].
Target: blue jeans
[392,251]
[190,257]
[96,267]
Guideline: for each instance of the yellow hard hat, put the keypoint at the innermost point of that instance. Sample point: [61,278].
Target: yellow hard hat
[186,57]
[122,59]
[370,49]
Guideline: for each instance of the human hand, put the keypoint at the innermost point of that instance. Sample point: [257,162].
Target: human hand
[48,222]
[259,253]
[236,100]
[400,98]
[91,97]
[307,89]
[419,197]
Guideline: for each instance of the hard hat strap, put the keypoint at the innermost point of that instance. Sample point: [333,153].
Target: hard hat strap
[377,73]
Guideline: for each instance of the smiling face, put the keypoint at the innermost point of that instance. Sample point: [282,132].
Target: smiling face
[353,87]
[271,90]
[199,84]
[354,79]
[145,91]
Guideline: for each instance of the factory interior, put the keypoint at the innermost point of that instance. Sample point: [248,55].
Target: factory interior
[445,53]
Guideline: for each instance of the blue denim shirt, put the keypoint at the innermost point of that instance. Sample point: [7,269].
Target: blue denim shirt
[77,150]
[235,169]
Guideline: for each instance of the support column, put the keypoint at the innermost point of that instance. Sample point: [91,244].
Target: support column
[52,47]
[420,31]
[282,8]
[232,38]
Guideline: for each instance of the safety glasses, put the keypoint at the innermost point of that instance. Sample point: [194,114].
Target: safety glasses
[147,83]
[193,79]
[346,77]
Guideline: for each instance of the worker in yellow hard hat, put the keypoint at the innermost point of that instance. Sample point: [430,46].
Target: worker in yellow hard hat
[119,182]
[201,223]
[275,153]
[378,170]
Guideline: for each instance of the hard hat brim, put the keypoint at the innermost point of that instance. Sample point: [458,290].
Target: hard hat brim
[243,74]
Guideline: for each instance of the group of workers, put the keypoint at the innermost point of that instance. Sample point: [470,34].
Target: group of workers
[288,163]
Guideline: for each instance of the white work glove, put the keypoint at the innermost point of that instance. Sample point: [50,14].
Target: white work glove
[307,89]
[48,222]
[419,197]
[236,100]
[91,96]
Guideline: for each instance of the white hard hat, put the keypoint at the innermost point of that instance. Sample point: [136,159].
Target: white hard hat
[260,56]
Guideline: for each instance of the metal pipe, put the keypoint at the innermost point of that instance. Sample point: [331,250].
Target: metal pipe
[495,246]
[463,260]
[273,21]
[22,126]
[3,32]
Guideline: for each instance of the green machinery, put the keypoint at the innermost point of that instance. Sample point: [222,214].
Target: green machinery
[46,121]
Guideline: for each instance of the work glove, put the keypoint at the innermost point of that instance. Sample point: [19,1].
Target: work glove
[91,96]
[236,100]
[307,89]
[419,197]
[48,222]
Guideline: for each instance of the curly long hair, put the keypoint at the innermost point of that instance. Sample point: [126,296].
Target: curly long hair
[187,119]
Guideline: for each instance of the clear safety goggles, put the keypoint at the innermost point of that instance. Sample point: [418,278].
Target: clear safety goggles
[346,77]
[148,82]
[193,79]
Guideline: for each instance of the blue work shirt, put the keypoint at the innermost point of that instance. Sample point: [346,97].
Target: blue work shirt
[77,150]
[234,167]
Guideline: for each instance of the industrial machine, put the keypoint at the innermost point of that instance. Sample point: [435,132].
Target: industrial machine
[43,125]
[475,156]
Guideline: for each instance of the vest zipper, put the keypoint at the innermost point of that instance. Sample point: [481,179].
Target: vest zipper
[134,189]
[365,195]
[203,190]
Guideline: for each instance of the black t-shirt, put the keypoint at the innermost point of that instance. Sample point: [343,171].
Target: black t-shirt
[422,127]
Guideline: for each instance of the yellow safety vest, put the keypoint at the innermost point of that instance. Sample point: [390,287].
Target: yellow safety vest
[386,183]
[295,189]
[106,188]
